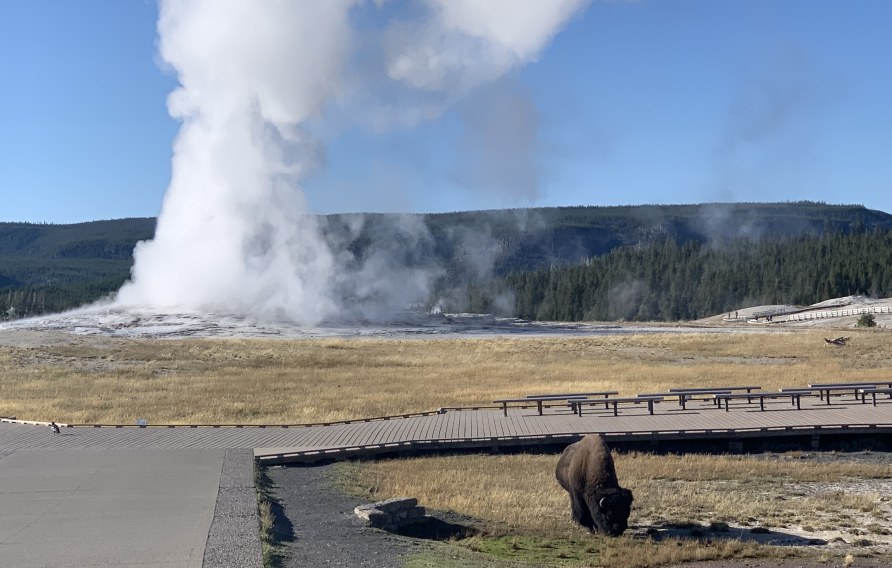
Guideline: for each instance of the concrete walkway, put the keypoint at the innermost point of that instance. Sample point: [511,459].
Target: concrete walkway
[110,507]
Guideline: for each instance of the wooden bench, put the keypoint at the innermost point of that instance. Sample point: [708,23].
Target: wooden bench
[605,394]
[650,400]
[874,392]
[704,390]
[572,400]
[747,389]
[827,388]
[801,391]
[684,396]
[795,396]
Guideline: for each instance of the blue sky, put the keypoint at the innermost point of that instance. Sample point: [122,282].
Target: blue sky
[677,101]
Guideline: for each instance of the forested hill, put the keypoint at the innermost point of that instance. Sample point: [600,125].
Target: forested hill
[526,239]
[667,281]
[46,268]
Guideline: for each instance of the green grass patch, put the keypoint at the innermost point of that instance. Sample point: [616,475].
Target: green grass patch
[275,530]
[453,554]
[537,550]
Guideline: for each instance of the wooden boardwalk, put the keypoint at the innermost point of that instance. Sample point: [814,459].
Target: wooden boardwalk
[457,429]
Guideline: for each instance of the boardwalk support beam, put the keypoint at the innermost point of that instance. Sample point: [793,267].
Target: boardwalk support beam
[816,441]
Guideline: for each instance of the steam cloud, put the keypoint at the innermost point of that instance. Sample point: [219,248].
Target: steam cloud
[235,232]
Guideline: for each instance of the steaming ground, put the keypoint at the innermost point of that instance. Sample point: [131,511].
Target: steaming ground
[154,323]
[145,322]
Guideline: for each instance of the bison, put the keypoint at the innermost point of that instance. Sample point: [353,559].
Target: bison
[597,501]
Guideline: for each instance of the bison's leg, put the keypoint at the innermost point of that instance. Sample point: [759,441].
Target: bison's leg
[580,510]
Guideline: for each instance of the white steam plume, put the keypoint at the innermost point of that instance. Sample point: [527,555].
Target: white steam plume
[234,231]
[467,43]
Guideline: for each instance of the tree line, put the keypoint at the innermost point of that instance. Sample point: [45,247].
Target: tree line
[667,281]
[27,301]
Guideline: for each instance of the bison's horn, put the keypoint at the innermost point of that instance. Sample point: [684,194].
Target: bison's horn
[601,502]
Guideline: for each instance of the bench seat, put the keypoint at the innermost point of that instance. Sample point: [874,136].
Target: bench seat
[746,388]
[824,389]
[605,394]
[572,400]
[795,398]
[650,400]
[874,392]
[684,396]
[566,394]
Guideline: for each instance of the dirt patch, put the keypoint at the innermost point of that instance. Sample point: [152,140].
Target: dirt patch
[31,338]
[326,532]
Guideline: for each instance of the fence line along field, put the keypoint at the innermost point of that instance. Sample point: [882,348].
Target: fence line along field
[259,381]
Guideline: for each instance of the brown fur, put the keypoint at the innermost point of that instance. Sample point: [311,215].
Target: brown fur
[586,471]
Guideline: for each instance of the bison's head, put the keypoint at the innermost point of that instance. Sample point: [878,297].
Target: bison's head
[612,514]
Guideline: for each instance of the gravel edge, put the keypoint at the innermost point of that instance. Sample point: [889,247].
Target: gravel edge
[234,537]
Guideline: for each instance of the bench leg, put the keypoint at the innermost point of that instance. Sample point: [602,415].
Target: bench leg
[798,402]
[650,407]
[761,403]
[505,409]
[539,406]
[874,398]
[727,404]
[614,409]
[828,396]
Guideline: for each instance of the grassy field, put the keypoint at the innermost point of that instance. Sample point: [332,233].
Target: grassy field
[699,507]
[526,514]
[283,381]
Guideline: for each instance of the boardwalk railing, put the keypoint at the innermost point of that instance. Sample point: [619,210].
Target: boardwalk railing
[309,425]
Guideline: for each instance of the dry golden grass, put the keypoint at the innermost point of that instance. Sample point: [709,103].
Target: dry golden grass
[298,381]
[628,553]
[519,492]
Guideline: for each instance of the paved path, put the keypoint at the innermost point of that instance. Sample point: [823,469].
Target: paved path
[73,508]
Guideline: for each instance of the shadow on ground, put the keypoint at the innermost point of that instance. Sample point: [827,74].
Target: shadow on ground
[702,533]
[439,527]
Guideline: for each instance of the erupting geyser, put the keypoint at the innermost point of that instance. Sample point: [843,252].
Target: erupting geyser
[234,232]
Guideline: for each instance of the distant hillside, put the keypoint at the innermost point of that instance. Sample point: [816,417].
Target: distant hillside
[60,254]
[46,268]
[558,235]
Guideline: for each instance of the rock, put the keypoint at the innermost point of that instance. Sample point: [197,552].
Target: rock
[363,511]
[391,514]
[397,504]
